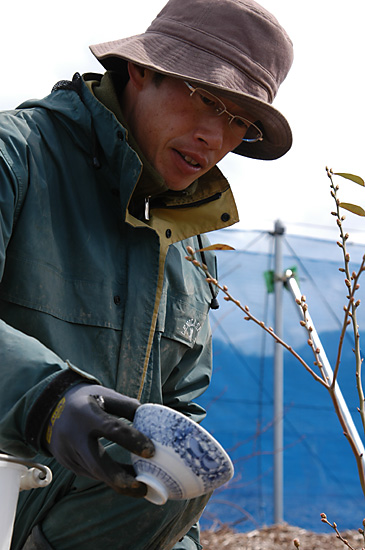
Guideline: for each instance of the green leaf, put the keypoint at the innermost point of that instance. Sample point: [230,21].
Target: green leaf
[354,208]
[216,247]
[351,177]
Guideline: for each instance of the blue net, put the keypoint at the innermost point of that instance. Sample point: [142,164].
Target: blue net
[319,469]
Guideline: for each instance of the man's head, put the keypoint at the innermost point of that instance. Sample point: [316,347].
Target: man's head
[232,48]
[183,131]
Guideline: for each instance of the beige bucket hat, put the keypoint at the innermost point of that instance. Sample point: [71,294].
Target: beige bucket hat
[234,48]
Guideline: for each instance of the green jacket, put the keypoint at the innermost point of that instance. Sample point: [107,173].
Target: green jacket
[87,289]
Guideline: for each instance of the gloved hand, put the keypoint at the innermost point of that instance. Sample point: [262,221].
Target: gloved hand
[86,413]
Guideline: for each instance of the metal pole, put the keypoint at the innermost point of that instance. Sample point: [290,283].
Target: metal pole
[351,428]
[278,377]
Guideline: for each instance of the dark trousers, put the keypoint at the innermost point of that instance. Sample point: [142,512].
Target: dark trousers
[83,514]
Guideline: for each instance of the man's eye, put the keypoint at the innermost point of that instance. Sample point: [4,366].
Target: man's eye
[241,123]
[208,101]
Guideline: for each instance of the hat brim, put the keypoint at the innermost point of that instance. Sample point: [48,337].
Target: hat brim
[172,58]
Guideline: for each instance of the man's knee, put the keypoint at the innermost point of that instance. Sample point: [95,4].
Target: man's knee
[36,541]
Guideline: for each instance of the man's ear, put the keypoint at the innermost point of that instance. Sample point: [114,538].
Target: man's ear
[137,74]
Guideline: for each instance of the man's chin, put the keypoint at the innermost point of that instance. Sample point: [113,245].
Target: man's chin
[178,186]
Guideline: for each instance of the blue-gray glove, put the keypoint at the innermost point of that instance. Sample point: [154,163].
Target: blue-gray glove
[86,413]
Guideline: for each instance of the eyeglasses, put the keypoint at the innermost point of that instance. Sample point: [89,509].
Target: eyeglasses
[241,127]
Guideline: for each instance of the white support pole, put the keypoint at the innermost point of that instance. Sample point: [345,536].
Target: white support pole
[278,377]
[351,428]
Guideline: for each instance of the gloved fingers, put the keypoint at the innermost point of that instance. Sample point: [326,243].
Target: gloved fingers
[91,412]
[124,434]
[116,403]
[120,477]
[97,464]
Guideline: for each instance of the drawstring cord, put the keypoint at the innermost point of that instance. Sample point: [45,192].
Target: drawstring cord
[214,304]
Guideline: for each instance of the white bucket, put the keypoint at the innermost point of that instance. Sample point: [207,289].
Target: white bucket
[10,474]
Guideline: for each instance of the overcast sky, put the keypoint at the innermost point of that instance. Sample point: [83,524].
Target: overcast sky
[42,42]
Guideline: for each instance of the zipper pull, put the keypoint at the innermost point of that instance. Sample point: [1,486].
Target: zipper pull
[147,208]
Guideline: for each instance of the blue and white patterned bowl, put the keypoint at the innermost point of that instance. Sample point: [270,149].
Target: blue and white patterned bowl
[188,461]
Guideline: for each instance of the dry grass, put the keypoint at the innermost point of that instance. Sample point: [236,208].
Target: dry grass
[278,537]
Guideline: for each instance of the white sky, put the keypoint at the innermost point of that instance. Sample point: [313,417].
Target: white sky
[42,42]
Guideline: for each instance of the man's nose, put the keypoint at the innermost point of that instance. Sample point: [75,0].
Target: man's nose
[211,130]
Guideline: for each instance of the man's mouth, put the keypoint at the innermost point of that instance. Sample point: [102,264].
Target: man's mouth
[189,160]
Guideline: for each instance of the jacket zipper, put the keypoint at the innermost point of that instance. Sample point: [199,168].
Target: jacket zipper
[176,206]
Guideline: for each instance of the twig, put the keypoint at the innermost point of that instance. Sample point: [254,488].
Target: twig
[338,534]
[302,303]
[248,315]
[352,305]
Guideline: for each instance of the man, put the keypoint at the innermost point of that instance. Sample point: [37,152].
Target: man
[104,184]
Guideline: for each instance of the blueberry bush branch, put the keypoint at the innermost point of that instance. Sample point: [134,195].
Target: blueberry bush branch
[351,280]
[322,379]
[338,534]
[352,284]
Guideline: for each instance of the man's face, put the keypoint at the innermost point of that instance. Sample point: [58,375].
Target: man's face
[181,142]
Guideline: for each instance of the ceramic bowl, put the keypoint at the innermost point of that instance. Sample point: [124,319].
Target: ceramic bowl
[188,461]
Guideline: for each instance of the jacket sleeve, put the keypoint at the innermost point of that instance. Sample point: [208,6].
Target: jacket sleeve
[27,367]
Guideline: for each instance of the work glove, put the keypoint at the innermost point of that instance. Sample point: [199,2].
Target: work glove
[86,413]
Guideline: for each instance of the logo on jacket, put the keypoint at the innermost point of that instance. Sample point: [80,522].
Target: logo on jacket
[191,327]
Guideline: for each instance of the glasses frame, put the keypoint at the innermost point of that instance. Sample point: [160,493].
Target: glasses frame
[222,109]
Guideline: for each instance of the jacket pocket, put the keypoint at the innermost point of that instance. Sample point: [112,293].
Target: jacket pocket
[44,288]
[180,319]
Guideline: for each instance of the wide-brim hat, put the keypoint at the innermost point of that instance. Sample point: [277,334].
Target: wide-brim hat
[234,48]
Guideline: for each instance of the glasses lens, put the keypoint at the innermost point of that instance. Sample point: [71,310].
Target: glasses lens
[242,128]
[245,130]
[208,102]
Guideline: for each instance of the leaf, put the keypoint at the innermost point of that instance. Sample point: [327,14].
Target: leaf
[354,208]
[216,247]
[351,177]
